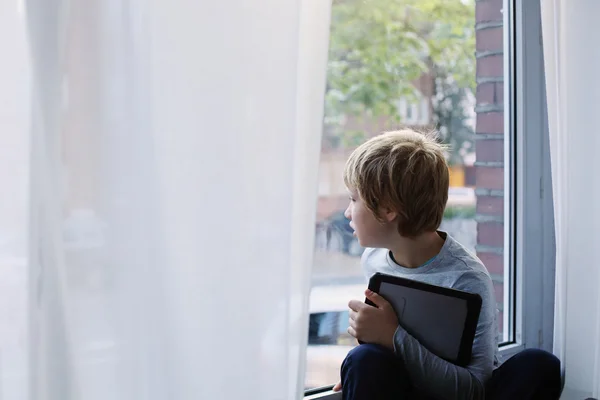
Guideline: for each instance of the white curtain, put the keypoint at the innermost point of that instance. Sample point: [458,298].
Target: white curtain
[175,150]
[572,62]
[15,110]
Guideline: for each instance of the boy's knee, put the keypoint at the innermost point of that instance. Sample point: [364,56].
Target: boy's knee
[369,352]
[368,356]
[541,359]
[375,369]
[546,365]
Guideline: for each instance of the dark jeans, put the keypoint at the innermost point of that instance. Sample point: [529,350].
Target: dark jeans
[372,372]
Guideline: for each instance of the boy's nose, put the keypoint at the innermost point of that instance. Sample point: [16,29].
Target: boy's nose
[347,213]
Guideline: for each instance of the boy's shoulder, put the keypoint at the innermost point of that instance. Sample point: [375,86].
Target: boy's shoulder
[465,266]
[452,267]
[460,257]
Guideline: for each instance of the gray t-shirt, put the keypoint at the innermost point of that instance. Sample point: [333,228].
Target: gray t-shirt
[454,267]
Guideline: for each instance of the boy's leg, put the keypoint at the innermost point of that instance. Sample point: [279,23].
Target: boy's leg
[528,375]
[372,372]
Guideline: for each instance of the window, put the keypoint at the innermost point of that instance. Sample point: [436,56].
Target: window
[436,64]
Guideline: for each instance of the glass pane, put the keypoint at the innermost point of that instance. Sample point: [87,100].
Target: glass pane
[426,65]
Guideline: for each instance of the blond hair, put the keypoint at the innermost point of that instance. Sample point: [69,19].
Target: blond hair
[405,172]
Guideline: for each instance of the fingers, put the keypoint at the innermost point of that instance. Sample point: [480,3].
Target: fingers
[337,387]
[356,305]
[352,323]
[352,332]
[379,301]
[353,314]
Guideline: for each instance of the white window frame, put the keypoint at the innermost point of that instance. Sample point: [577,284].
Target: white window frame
[529,227]
[533,246]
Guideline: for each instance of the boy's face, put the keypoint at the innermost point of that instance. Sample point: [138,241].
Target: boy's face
[369,231]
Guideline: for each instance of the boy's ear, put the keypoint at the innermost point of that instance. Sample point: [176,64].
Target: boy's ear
[388,215]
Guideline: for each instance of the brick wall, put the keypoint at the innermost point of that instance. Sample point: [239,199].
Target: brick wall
[489,144]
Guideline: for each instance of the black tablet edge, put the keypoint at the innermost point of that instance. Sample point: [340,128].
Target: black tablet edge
[470,329]
[378,278]
[374,285]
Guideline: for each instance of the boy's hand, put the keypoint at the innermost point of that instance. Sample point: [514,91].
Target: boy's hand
[373,324]
[337,387]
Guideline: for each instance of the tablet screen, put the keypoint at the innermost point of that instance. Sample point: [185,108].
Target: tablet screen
[436,320]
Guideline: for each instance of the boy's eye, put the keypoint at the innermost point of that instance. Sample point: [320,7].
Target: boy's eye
[351,199]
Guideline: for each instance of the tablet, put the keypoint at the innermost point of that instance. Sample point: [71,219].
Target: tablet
[443,320]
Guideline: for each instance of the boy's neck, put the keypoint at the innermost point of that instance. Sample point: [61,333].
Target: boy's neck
[414,252]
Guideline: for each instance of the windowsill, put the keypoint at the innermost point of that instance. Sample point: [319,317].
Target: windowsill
[322,394]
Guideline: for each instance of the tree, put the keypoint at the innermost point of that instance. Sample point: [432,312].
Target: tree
[379,48]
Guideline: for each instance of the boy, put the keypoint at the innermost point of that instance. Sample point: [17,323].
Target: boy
[398,184]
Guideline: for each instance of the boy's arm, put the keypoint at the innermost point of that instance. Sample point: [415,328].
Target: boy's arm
[434,376]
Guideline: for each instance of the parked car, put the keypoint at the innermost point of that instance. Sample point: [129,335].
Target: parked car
[328,339]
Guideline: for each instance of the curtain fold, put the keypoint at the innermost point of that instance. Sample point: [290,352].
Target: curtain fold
[174,167]
[15,111]
[573,96]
